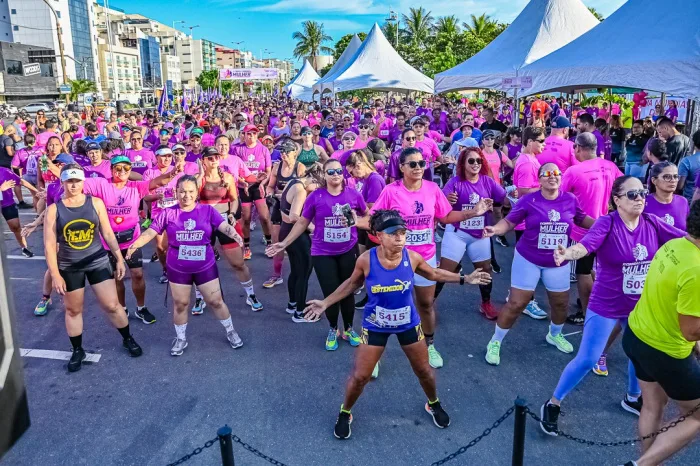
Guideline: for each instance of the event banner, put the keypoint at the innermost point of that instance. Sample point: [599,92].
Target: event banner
[653,101]
[245,74]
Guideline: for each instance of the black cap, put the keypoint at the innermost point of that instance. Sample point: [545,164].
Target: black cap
[287,146]
[377,146]
[210,151]
[365,121]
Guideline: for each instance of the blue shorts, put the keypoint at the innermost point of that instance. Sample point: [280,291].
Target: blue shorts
[525,275]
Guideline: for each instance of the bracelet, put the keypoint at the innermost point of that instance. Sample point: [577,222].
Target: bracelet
[461,278]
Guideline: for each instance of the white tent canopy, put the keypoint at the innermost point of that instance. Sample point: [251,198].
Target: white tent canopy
[343,60]
[302,83]
[541,28]
[376,65]
[623,51]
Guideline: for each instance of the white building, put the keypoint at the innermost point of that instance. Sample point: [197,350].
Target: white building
[171,70]
[196,55]
[126,68]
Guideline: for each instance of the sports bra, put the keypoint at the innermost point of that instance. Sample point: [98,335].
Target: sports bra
[285,205]
[283,180]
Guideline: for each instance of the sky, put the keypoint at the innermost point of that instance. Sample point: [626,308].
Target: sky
[269,24]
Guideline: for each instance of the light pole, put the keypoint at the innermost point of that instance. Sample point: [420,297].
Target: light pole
[179,21]
[394,17]
[192,27]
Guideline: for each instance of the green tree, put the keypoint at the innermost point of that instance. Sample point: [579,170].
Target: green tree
[391,32]
[80,86]
[208,79]
[418,26]
[595,13]
[227,87]
[448,26]
[343,43]
[310,41]
[482,26]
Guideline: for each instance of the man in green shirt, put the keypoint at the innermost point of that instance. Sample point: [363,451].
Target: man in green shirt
[662,331]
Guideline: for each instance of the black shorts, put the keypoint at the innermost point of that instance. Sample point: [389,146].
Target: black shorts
[584,265]
[275,212]
[75,280]
[225,241]
[252,196]
[135,262]
[680,378]
[407,337]
[10,212]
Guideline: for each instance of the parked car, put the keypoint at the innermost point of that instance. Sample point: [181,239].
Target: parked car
[60,104]
[51,105]
[33,108]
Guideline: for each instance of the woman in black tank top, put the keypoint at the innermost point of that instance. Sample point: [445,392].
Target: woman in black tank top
[76,222]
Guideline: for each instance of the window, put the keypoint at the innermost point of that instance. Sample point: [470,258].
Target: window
[15,28]
[13,11]
[58,13]
[46,70]
[14,67]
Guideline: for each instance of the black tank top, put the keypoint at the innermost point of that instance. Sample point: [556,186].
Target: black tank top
[283,180]
[78,237]
[284,203]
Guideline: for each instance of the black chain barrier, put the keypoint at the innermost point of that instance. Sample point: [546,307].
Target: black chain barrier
[476,440]
[195,452]
[257,453]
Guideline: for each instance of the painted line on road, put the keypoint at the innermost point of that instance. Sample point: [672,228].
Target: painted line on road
[43,258]
[53,354]
[573,333]
[27,279]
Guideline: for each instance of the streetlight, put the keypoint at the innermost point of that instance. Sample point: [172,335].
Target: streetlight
[394,17]
[192,27]
[178,22]
[60,42]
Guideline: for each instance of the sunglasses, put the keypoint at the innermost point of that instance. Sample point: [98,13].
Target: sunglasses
[632,194]
[670,177]
[179,152]
[136,139]
[474,161]
[363,126]
[239,121]
[334,171]
[348,139]
[541,141]
[548,173]
[409,138]
[415,164]
[121,168]
[489,139]
[212,157]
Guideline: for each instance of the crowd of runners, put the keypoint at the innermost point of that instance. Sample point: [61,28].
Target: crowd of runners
[386,197]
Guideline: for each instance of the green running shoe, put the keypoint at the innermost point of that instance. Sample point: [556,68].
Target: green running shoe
[493,353]
[434,358]
[351,337]
[43,307]
[560,342]
[332,340]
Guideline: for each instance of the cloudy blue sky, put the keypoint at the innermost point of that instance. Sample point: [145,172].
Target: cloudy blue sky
[269,24]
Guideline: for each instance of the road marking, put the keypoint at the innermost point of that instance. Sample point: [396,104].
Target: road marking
[573,333]
[27,279]
[52,354]
[43,258]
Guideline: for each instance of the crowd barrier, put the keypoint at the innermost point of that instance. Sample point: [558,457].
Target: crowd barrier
[519,409]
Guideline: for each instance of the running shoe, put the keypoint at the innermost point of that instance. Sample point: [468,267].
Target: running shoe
[145,316]
[359,290]
[247,255]
[634,407]
[576,319]
[27,253]
[502,241]
[560,342]
[332,340]
[495,267]
[272,281]
[342,425]
[43,307]
[440,417]
[360,305]
[154,257]
[375,371]
[163,278]
[601,368]
[291,308]
[549,415]
[434,357]
[298,318]
[254,304]
[178,347]
[216,255]
[133,347]
[351,337]
[234,339]
[76,359]
[535,311]
[146,223]
[198,308]
[493,353]
[488,310]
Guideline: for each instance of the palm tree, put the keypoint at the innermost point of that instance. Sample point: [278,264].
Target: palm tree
[310,41]
[481,26]
[418,25]
[80,86]
[391,32]
[448,26]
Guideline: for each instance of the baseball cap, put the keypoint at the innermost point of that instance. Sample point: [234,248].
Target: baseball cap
[250,129]
[196,132]
[560,122]
[349,134]
[417,120]
[168,125]
[164,151]
[72,174]
[365,122]
[467,142]
[210,151]
[489,134]
[377,146]
[163,132]
[64,159]
[466,124]
[286,146]
[305,130]
[120,159]
[92,146]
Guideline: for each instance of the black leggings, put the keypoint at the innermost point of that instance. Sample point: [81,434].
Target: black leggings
[331,272]
[299,253]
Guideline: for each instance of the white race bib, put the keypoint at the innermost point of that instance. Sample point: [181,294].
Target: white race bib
[419,237]
[166,202]
[336,235]
[551,241]
[384,132]
[392,317]
[191,253]
[633,283]
[474,223]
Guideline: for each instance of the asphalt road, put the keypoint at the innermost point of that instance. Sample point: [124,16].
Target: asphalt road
[281,391]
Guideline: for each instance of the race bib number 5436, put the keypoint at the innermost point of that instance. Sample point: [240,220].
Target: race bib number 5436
[191,253]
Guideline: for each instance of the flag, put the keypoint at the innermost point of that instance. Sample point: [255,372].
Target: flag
[185,107]
[289,93]
[276,91]
[163,100]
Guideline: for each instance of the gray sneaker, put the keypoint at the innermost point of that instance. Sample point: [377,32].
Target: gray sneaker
[178,347]
[234,339]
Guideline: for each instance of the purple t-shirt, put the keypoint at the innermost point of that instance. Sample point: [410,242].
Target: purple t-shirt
[256,158]
[547,225]
[675,213]
[394,137]
[468,194]
[623,258]
[7,195]
[189,236]
[371,187]
[141,160]
[600,150]
[103,170]
[330,237]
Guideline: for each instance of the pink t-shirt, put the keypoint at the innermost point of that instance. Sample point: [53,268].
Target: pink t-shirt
[360,144]
[235,166]
[558,151]
[591,182]
[102,170]
[42,139]
[419,210]
[430,149]
[168,190]
[495,159]
[256,158]
[141,160]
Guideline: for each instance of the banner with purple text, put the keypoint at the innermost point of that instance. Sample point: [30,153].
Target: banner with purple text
[244,74]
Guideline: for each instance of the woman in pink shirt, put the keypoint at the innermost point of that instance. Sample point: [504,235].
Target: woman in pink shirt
[363,138]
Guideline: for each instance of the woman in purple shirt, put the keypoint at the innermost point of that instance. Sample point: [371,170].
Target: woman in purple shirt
[671,208]
[625,242]
[548,215]
[333,247]
[190,258]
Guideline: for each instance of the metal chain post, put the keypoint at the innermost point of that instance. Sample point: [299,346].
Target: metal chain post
[519,431]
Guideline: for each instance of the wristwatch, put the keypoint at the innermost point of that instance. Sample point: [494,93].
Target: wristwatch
[461,278]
